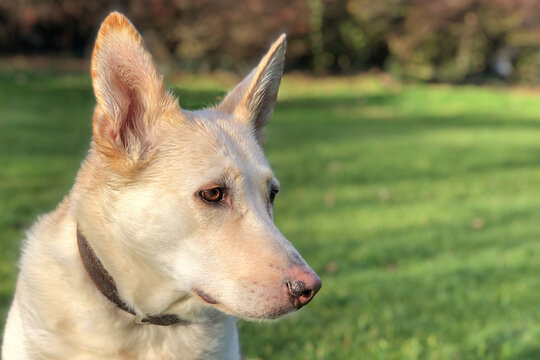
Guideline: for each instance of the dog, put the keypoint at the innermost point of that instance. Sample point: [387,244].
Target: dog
[167,235]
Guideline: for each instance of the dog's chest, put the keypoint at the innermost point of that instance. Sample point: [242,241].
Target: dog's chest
[210,341]
[163,343]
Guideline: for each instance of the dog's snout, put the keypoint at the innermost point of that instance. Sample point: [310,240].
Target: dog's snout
[303,286]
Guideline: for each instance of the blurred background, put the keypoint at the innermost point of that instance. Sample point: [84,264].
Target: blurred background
[446,40]
[406,138]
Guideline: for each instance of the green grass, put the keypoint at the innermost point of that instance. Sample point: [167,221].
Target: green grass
[419,206]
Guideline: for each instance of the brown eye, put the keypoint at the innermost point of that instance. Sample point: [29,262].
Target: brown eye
[212,195]
[273,193]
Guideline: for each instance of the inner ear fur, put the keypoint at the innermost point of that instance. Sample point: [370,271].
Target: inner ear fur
[252,100]
[130,93]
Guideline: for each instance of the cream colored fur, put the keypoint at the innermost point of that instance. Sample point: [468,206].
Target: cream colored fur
[136,199]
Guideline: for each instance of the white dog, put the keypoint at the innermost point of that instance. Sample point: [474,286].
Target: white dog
[168,232]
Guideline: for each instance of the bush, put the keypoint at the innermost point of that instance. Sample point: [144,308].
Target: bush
[444,40]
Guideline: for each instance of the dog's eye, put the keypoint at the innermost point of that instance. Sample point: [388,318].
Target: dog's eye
[212,195]
[273,193]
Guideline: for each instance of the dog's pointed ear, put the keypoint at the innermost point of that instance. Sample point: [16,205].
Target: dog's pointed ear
[252,100]
[130,92]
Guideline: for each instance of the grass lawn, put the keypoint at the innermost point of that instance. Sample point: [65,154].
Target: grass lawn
[419,206]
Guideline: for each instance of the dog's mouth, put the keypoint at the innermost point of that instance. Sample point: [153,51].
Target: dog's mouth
[209,300]
[205,297]
[253,316]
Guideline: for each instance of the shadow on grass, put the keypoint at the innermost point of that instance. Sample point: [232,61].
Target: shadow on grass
[389,248]
[528,353]
[398,119]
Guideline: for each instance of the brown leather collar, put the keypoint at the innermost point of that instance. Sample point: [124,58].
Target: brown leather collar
[106,285]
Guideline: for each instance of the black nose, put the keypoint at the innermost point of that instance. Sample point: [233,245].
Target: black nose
[303,292]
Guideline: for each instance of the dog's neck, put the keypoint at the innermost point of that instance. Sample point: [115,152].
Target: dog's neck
[106,285]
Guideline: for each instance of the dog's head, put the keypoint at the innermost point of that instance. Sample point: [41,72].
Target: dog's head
[185,199]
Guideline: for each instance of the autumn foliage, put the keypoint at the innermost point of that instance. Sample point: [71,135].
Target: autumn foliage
[445,40]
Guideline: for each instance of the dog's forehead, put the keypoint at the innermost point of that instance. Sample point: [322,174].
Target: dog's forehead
[218,142]
[230,133]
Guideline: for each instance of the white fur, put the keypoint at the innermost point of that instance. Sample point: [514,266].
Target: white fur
[136,201]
